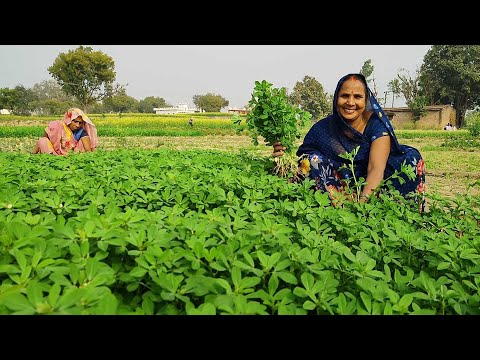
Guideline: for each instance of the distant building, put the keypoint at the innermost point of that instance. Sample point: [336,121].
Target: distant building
[238,111]
[5,112]
[437,117]
[180,108]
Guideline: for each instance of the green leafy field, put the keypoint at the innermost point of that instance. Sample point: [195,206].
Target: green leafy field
[188,220]
[211,232]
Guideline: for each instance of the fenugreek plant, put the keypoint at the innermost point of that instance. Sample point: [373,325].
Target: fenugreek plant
[275,119]
[353,187]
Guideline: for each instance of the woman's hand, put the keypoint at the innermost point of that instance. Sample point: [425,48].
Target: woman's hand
[278,149]
[86,144]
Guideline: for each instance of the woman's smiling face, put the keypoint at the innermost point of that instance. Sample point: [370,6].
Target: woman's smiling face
[352,99]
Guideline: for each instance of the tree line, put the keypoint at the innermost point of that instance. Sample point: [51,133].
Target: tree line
[449,75]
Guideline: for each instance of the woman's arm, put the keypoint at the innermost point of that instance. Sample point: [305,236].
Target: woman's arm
[377,161]
[86,143]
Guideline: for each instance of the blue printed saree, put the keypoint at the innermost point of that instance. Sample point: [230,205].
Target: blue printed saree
[320,160]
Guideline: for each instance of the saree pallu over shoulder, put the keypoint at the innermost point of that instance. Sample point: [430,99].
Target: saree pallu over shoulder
[60,138]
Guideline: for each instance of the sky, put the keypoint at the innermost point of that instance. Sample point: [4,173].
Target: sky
[178,72]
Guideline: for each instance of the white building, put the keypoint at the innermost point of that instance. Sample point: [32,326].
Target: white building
[5,112]
[180,108]
[237,110]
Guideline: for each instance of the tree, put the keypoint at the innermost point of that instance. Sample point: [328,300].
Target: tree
[50,89]
[97,108]
[150,102]
[7,98]
[393,87]
[417,107]
[310,96]
[210,102]
[51,99]
[20,100]
[85,74]
[450,74]
[367,71]
[120,103]
[409,86]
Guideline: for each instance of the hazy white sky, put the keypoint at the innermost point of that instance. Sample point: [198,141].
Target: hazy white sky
[178,72]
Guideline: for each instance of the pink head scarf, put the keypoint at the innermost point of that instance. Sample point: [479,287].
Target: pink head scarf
[89,126]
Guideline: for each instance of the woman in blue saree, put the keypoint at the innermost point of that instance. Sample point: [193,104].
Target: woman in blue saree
[357,121]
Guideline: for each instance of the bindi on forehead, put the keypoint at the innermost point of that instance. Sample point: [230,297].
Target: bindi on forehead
[353,85]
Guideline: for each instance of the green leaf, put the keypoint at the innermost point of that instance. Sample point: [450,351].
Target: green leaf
[203,309]
[309,305]
[69,298]
[406,300]
[206,309]
[307,280]
[282,265]
[224,284]
[443,265]
[19,304]
[376,273]
[224,302]
[263,258]
[388,309]
[75,250]
[36,258]
[424,312]
[21,259]
[45,263]
[322,198]
[249,258]
[53,294]
[287,277]
[167,295]
[107,305]
[272,284]
[34,293]
[348,254]
[287,310]
[9,291]
[241,265]
[367,301]
[249,282]
[420,295]
[236,277]
[274,259]
[300,292]
[133,286]
[284,295]
[148,306]
[102,279]
[9,269]
[91,268]
[469,254]
[138,272]
[217,266]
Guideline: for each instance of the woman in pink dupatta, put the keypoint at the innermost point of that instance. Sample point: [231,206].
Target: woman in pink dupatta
[76,132]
